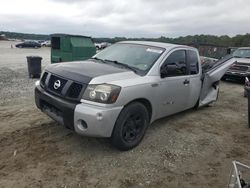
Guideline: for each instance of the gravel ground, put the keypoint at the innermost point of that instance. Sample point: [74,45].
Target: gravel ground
[194,148]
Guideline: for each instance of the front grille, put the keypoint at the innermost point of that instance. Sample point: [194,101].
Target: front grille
[56,84]
[43,79]
[74,90]
[62,87]
[239,67]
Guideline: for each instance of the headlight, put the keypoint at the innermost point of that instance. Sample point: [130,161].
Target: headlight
[103,93]
[37,83]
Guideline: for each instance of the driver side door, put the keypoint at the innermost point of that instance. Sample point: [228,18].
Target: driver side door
[174,87]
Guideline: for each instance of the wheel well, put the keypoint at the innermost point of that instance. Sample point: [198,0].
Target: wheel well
[146,103]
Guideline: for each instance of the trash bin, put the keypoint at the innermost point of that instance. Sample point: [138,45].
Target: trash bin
[34,66]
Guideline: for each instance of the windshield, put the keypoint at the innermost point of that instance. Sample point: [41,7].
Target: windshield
[137,56]
[244,53]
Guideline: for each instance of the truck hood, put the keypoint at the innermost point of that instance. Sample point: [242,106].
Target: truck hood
[243,60]
[85,71]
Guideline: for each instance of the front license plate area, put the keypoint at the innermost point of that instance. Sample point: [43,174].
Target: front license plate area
[52,112]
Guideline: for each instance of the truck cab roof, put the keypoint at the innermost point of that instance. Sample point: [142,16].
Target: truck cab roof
[244,48]
[158,44]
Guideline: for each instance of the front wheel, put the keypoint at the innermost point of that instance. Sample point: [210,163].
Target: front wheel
[223,78]
[130,126]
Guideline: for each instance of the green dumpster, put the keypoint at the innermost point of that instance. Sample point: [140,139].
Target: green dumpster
[66,47]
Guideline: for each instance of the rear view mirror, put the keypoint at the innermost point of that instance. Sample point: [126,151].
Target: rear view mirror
[168,70]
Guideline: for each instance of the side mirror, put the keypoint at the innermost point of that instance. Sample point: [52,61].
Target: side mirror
[168,70]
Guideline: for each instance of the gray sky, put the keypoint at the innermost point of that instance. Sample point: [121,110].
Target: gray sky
[129,18]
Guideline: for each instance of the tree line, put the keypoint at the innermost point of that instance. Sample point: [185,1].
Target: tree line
[224,40]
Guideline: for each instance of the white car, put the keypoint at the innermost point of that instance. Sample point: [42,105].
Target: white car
[46,43]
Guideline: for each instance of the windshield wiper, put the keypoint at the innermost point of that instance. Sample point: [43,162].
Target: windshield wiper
[98,59]
[122,64]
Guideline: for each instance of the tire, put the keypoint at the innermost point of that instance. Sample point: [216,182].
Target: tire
[245,93]
[130,126]
[196,106]
[223,78]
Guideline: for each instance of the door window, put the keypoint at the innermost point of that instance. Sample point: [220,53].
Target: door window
[175,64]
[193,62]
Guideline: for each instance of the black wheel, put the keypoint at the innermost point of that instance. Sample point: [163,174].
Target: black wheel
[245,93]
[223,78]
[196,106]
[130,126]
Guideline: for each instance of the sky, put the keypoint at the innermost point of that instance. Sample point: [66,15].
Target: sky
[126,18]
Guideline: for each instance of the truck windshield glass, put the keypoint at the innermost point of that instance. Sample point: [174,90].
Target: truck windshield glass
[137,56]
[244,53]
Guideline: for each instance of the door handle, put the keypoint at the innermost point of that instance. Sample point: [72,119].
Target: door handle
[186,82]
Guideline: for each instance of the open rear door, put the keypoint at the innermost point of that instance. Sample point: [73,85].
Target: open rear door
[211,78]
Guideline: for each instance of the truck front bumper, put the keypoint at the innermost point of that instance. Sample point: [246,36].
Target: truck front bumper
[234,74]
[85,119]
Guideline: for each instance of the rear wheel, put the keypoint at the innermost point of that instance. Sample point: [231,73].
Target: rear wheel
[130,126]
[223,78]
[245,93]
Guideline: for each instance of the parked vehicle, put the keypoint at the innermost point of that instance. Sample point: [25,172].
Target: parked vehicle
[100,46]
[40,41]
[127,86]
[46,43]
[241,69]
[29,44]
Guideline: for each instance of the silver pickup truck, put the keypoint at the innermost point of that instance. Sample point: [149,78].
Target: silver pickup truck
[125,87]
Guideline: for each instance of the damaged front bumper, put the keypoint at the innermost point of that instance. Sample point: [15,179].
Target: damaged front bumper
[85,119]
